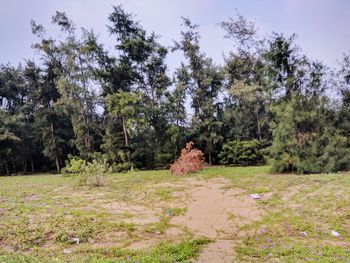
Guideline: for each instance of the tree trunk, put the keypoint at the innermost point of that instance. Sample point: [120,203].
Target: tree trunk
[125,131]
[258,124]
[58,165]
[14,167]
[209,157]
[88,140]
[32,164]
[25,166]
[7,168]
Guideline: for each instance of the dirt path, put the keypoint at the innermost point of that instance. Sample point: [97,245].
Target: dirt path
[218,214]
[213,210]
[219,251]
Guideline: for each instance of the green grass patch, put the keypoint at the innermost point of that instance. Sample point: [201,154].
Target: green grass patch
[163,252]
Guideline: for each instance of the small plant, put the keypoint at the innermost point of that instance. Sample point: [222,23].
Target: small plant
[122,167]
[94,173]
[76,230]
[190,160]
[73,165]
[163,194]
[241,153]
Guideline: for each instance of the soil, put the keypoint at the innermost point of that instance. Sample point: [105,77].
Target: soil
[213,210]
[219,214]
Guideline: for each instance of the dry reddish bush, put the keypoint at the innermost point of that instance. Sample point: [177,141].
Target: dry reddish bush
[190,160]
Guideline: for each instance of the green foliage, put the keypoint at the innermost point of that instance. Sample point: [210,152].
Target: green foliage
[122,104]
[183,251]
[78,228]
[94,173]
[163,159]
[74,165]
[122,167]
[164,194]
[241,153]
[336,152]
[203,79]
[303,143]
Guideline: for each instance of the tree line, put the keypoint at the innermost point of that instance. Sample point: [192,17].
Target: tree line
[122,104]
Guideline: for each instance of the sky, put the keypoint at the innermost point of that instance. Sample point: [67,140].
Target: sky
[322,26]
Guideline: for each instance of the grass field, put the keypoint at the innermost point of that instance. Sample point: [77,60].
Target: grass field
[141,217]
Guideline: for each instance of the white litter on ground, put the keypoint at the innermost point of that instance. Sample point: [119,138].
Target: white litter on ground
[255,196]
[303,233]
[66,251]
[335,233]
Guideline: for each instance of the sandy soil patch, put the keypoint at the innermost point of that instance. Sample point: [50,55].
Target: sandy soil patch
[220,251]
[142,244]
[213,210]
[217,213]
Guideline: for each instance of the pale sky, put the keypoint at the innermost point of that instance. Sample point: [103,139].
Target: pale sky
[322,26]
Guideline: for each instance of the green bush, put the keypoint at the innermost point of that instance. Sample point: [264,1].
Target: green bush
[163,160]
[241,153]
[324,154]
[94,173]
[73,165]
[122,167]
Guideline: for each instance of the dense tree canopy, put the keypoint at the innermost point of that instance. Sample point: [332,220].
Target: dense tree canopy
[123,105]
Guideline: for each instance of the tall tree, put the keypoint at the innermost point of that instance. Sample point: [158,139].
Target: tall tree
[138,68]
[305,137]
[54,123]
[344,89]
[176,111]
[203,83]
[77,85]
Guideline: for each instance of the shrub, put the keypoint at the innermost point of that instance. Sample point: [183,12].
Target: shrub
[190,160]
[94,173]
[73,165]
[323,154]
[162,160]
[96,156]
[241,153]
[122,167]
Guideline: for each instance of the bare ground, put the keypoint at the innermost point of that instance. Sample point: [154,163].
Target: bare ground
[219,214]
[213,210]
